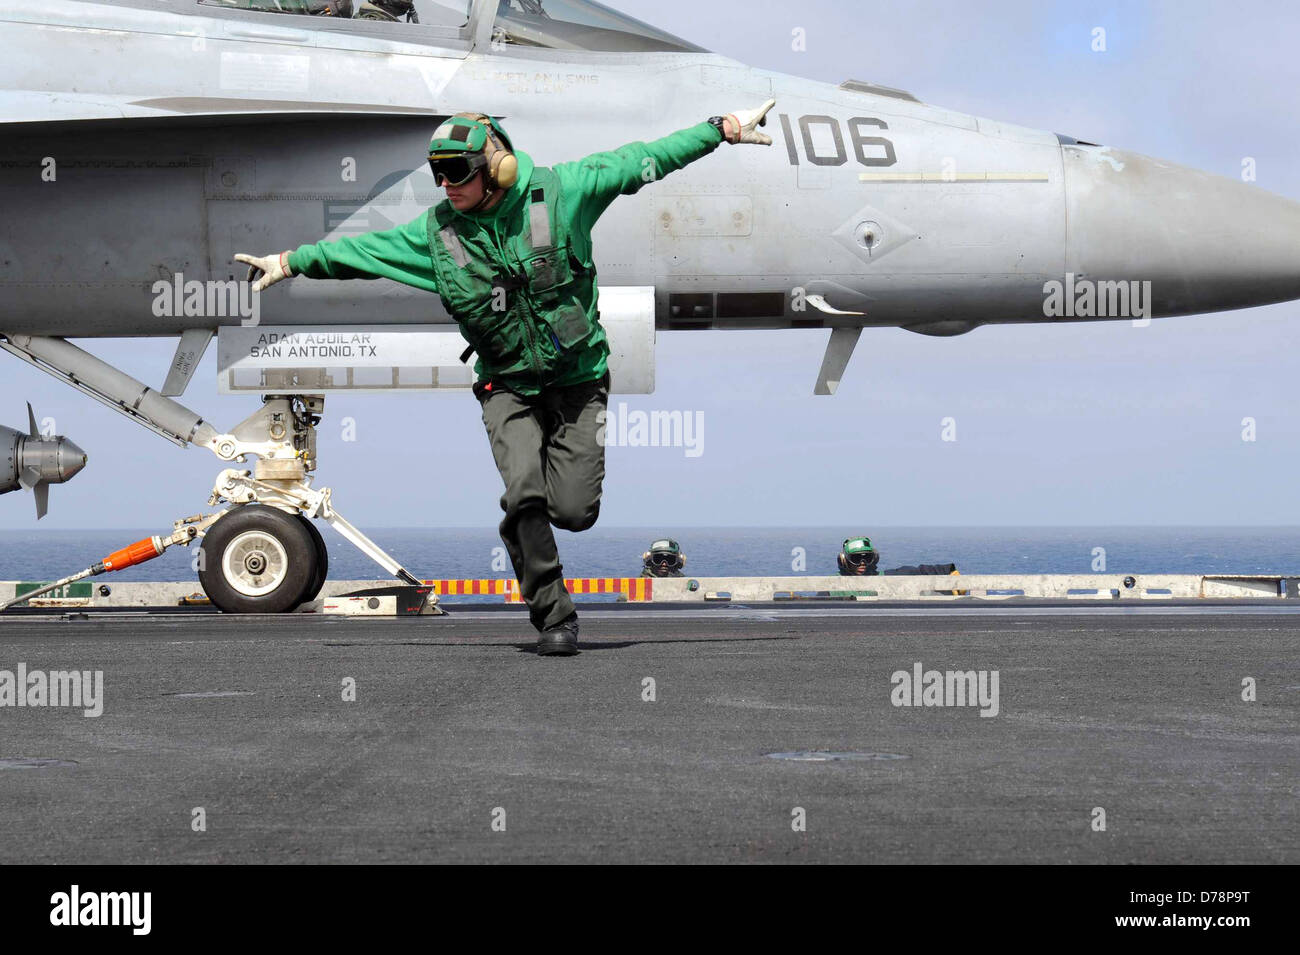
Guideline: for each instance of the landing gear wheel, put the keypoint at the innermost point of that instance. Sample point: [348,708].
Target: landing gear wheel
[322,563]
[258,559]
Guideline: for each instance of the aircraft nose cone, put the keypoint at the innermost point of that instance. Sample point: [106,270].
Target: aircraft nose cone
[71,459]
[1205,243]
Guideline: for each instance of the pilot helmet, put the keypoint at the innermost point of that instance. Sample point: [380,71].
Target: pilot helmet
[391,10]
[331,8]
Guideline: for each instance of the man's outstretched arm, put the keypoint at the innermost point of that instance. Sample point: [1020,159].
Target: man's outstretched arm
[602,177]
[400,254]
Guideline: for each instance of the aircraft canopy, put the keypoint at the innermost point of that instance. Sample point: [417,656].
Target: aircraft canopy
[546,24]
[580,25]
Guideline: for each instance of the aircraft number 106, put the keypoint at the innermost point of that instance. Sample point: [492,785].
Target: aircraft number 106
[870,150]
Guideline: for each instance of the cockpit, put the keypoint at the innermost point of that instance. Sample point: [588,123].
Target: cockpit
[545,24]
[437,12]
[579,25]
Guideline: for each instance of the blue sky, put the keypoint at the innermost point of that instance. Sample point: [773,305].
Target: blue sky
[1101,424]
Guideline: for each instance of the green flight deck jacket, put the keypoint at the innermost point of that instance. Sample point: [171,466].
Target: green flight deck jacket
[519,278]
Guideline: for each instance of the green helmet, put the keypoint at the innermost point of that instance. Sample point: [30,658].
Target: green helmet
[664,558]
[468,142]
[463,133]
[858,556]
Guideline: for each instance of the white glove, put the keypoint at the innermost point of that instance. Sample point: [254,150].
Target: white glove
[272,267]
[743,125]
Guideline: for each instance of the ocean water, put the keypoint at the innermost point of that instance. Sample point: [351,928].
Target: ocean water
[722,551]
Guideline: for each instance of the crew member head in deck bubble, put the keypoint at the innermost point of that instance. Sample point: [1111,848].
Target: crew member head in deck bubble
[663,559]
[509,252]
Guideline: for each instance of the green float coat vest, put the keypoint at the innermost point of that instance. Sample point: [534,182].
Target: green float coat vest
[522,296]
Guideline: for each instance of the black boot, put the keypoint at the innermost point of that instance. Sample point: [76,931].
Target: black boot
[560,640]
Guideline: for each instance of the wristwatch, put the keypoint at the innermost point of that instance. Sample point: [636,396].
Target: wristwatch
[721,123]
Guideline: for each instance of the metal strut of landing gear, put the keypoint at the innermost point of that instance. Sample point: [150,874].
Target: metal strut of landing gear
[261,554]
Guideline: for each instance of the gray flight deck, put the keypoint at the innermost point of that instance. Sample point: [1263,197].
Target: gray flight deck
[1134,709]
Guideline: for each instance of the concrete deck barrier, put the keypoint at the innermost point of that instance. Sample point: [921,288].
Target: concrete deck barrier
[91,593]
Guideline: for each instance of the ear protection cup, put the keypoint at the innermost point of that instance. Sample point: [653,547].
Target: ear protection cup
[502,164]
[504,169]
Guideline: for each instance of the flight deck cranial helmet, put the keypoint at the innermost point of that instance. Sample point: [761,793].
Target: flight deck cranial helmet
[858,557]
[664,557]
[468,142]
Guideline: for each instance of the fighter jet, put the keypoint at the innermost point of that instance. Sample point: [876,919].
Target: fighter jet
[147,141]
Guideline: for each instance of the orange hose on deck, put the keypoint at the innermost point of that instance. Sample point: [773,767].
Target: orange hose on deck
[136,553]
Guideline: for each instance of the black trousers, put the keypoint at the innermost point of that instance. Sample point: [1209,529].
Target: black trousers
[548,451]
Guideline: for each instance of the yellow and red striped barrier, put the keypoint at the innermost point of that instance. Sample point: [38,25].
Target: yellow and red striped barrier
[633,588]
[496,587]
[637,589]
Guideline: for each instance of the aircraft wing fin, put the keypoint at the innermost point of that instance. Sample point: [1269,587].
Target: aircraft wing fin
[838,352]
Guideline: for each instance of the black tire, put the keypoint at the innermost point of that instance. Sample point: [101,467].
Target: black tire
[250,537]
[322,563]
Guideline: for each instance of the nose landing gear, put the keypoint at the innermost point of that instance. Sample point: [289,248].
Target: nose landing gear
[261,554]
[264,555]
[258,559]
